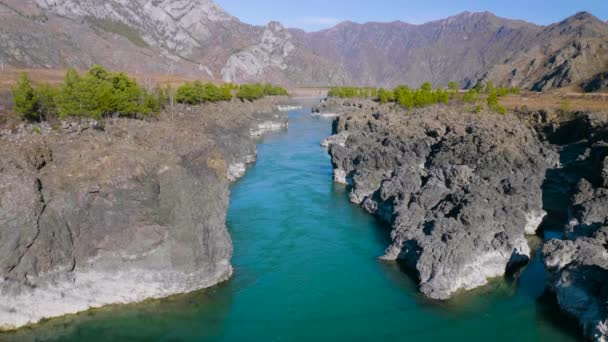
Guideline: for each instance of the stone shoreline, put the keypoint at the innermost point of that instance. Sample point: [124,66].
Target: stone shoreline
[462,191]
[120,211]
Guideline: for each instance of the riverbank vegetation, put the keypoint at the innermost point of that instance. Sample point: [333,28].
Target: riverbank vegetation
[425,95]
[96,94]
[198,93]
[99,93]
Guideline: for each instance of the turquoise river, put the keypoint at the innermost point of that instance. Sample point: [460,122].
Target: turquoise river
[306,269]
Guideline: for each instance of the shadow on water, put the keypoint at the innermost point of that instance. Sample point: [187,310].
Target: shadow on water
[549,311]
[163,319]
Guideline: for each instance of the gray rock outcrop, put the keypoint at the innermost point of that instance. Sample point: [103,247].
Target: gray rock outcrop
[460,190]
[578,265]
[119,212]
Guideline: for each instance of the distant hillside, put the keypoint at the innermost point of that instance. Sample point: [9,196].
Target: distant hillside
[458,48]
[573,52]
[199,39]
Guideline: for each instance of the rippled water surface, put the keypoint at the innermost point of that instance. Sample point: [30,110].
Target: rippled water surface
[306,270]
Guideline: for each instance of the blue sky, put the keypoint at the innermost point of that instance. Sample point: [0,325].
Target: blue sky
[313,15]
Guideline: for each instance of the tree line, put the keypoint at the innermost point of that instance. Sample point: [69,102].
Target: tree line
[425,95]
[100,93]
[199,93]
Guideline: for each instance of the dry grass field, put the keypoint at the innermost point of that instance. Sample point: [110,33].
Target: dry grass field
[9,77]
[595,102]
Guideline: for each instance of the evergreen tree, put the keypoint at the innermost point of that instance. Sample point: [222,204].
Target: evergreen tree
[46,96]
[25,100]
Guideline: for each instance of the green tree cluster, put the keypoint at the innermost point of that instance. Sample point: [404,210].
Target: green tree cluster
[251,92]
[198,93]
[100,93]
[385,95]
[421,97]
[353,92]
[272,90]
[403,95]
[97,94]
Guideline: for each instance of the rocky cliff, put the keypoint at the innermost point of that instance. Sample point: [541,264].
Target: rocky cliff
[460,190]
[578,264]
[121,211]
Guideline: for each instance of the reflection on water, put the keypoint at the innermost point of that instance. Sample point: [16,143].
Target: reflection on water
[306,269]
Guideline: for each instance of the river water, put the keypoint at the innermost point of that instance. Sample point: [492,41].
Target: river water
[306,269]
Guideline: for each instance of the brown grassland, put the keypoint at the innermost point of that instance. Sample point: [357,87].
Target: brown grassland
[9,77]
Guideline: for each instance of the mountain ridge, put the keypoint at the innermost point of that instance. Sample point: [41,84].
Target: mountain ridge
[199,38]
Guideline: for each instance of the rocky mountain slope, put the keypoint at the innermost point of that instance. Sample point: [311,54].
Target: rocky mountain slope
[197,37]
[573,52]
[461,191]
[388,54]
[193,37]
[94,214]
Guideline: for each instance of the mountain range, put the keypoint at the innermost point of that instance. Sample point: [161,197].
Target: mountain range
[198,38]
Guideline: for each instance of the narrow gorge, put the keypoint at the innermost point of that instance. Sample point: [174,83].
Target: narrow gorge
[304,255]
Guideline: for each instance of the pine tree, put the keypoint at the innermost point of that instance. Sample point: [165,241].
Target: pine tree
[25,100]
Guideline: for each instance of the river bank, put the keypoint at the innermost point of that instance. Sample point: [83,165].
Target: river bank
[462,191]
[120,211]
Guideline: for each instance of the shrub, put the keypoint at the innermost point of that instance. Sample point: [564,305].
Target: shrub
[453,89]
[250,92]
[489,88]
[385,96]
[187,93]
[471,96]
[493,103]
[271,90]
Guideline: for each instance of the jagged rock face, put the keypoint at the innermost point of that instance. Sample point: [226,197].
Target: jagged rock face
[120,212]
[272,52]
[460,190]
[578,265]
[181,26]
